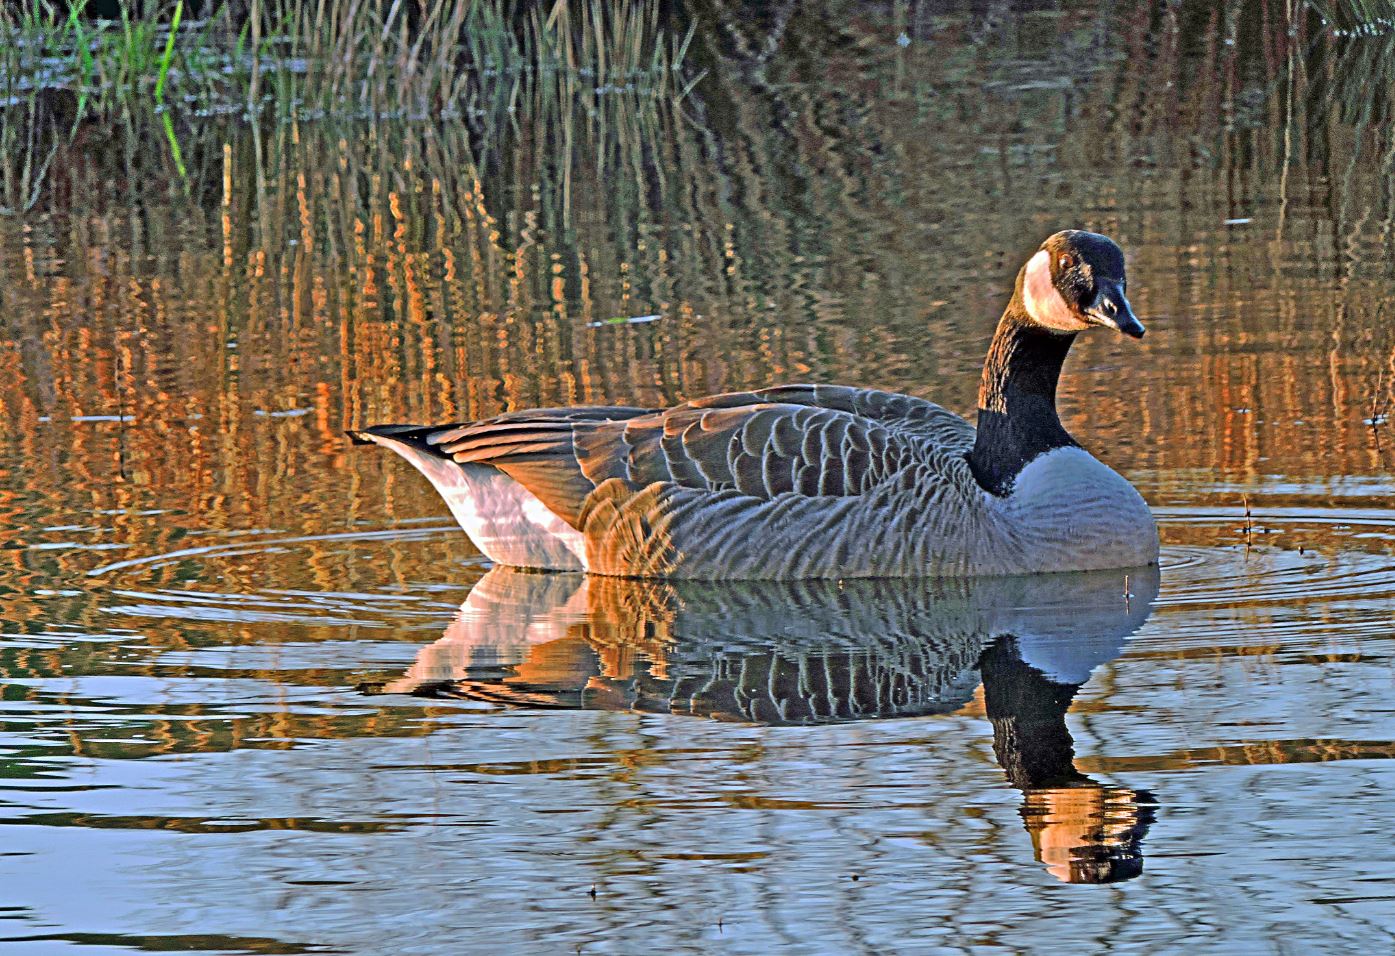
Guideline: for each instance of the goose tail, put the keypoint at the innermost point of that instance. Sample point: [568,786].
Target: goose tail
[504,520]
[411,435]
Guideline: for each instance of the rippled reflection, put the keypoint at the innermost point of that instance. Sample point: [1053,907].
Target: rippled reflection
[782,653]
[1083,830]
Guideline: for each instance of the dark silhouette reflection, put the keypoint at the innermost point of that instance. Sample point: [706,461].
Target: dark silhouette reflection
[1084,831]
[823,651]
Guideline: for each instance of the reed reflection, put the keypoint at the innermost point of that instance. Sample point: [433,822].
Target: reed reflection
[781,653]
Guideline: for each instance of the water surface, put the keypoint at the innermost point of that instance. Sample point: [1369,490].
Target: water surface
[260,697]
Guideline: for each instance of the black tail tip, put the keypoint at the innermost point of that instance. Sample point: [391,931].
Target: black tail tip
[414,435]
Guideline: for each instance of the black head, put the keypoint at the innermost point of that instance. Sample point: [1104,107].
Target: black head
[1075,281]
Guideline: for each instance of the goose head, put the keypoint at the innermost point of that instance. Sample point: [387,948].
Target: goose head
[1076,281]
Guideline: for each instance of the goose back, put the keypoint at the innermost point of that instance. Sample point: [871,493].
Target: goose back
[795,481]
[799,481]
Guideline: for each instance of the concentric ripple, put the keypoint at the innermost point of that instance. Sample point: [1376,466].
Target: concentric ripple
[373,577]
[1227,575]
[1226,572]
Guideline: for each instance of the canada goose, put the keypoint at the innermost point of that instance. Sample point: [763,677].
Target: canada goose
[806,481]
[816,651]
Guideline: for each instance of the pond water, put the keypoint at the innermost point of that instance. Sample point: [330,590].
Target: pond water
[258,695]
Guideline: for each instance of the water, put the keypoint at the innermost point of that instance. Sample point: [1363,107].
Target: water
[259,697]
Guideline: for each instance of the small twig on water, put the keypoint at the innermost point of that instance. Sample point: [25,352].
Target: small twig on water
[120,413]
[1378,401]
[1380,406]
[1249,527]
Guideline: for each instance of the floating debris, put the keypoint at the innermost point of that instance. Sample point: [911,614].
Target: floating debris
[622,320]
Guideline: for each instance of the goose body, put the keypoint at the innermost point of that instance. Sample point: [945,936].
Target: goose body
[814,481]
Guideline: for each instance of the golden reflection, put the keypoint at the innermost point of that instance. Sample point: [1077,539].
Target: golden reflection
[383,287]
[824,651]
[199,353]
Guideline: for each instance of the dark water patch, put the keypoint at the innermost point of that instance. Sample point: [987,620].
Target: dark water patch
[199,824]
[1248,753]
[528,767]
[66,724]
[1344,900]
[193,943]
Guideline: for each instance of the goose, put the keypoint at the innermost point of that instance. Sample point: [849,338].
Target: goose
[815,481]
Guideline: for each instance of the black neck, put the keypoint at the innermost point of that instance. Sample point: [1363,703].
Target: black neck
[1017,418]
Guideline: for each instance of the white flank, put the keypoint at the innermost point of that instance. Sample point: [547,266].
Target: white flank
[505,520]
[1044,304]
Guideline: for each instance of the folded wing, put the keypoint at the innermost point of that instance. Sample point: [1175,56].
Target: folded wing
[808,441]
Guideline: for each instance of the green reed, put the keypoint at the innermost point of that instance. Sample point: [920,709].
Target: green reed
[360,57]
[1352,18]
[478,61]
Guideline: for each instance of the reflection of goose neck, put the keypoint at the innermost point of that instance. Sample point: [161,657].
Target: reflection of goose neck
[1082,830]
[1028,713]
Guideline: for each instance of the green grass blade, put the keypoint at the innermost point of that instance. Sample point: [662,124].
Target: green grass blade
[168,55]
[173,141]
[84,53]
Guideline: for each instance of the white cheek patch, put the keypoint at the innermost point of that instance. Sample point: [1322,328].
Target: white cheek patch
[1044,304]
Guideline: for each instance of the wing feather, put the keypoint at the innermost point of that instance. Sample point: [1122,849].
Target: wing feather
[808,440]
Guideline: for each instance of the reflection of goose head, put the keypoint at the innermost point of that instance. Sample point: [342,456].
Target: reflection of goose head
[814,651]
[1084,831]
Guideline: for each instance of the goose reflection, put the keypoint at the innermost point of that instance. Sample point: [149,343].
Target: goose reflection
[820,651]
